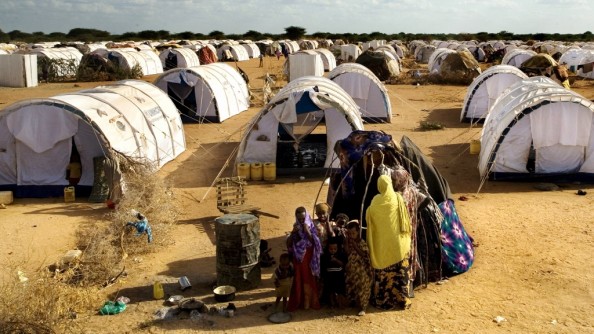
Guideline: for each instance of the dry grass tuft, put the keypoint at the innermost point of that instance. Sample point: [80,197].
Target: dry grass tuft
[45,303]
[42,304]
[429,126]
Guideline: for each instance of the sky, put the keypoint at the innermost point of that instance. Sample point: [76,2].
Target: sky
[273,16]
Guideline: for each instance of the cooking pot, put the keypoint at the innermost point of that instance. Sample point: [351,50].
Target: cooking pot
[224,293]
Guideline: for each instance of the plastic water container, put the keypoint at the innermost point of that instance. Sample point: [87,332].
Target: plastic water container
[69,195]
[158,292]
[6,197]
[243,170]
[475,146]
[256,171]
[269,171]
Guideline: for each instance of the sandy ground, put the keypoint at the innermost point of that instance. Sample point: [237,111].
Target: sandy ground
[533,264]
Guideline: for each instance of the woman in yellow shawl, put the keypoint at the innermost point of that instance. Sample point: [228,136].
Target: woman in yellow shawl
[389,241]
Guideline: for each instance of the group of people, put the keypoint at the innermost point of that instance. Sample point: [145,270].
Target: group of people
[329,263]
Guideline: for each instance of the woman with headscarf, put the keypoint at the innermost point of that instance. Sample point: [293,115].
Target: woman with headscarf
[304,246]
[389,241]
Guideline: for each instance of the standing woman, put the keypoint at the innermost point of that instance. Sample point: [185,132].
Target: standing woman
[304,246]
[389,241]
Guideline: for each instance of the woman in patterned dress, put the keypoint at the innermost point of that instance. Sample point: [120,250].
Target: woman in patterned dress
[359,274]
[389,240]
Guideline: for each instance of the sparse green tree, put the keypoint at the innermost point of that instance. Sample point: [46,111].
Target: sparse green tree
[4,37]
[216,34]
[185,35]
[86,34]
[253,35]
[127,36]
[321,35]
[148,34]
[17,35]
[294,33]
[163,34]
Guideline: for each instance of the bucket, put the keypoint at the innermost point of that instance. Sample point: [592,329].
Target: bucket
[243,170]
[158,292]
[269,171]
[475,146]
[256,171]
[69,194]
[238,250]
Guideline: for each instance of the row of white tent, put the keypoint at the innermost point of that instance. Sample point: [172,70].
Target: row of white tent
[533,127]
[141,121]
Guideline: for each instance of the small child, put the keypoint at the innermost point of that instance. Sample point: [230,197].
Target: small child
[334,262]
[339,230]
[359,274]
[283,279]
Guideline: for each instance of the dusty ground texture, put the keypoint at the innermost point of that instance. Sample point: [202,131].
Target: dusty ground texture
[533,264]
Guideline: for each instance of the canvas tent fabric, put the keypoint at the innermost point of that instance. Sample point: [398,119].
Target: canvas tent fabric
[296,110]
[66,54]
[304,63]
[516,57]
[213,92]
[436,59]
[349,52]
[178,58]
[17,70]
[459,66]
[382,65]
[485,89]
[148,61]
[132,118]
[366,89]
[537,64]
[328,59]
[423,53]
[538,129]
[572,58]
[252,50]
[232,53]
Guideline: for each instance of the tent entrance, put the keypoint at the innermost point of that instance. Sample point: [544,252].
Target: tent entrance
[310,153]
[184,98]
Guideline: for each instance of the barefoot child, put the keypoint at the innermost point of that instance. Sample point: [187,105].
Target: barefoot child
[358,269]
[283,278]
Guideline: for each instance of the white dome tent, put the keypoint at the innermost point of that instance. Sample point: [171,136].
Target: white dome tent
[304,63]
[148,61]
[436,58]
[538,129]
[213,92]
[293,114]
[233,52]
[423,53]
[67,54]
[486,88]
[252,50]
[516,57]
[366,89]
[178,58]
[328,59]
[38,137]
